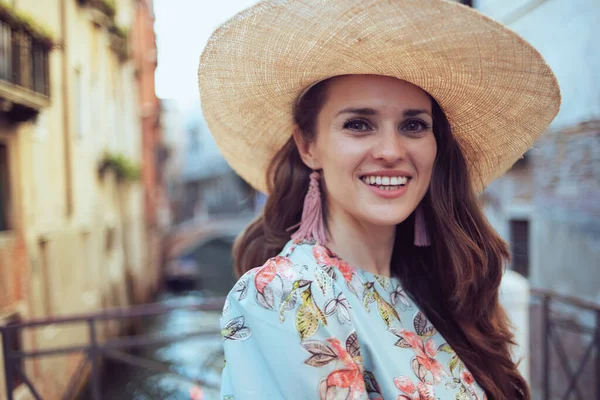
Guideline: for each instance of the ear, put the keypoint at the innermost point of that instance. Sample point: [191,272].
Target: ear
[306,150]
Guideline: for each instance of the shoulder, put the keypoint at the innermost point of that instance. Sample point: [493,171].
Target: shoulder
[291,290]
[276,276]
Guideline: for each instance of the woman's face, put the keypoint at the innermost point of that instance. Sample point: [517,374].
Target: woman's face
[375,145]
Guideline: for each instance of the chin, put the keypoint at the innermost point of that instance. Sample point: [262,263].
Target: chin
[387,219]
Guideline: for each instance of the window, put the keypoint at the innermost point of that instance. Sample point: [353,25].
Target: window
[519,245]
[5,213]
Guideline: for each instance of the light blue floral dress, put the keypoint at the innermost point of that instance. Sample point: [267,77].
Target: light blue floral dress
[306,325]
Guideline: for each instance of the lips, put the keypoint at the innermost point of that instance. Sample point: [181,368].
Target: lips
[385,186]
[385,181]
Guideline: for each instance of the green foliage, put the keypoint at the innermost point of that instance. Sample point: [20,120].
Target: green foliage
[124,169]
[25,22]
[109,7]
[119,31]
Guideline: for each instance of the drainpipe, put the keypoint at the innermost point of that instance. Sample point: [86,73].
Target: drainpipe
[66,108]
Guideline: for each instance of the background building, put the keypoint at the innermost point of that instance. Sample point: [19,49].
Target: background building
[79,126]
[548,205]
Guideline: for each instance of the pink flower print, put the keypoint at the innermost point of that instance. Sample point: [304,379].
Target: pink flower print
[196,393]
[425,366]
[468,378]
[422,391]
[349,379]
[281,266]
[324,256]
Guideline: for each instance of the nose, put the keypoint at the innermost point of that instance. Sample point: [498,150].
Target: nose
[390,147]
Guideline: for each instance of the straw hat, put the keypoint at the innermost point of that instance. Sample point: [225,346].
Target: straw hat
[496,90]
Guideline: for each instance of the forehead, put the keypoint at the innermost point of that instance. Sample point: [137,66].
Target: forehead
[375,91]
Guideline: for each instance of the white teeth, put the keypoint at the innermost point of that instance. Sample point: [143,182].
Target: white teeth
[385,181]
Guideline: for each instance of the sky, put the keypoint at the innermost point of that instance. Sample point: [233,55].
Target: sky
[182,29]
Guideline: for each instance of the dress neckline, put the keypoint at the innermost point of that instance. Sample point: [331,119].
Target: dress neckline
[364,273]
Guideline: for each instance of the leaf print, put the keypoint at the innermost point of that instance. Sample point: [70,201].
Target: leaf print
[353,348]
[422,326]
[331,307]
[307,321]
[445,347]
[307,299]
[402,342]
[462,394]
[386,311]
[371,383]
[419,369]
[356,286]
[266,299]
[339,305]
[383,281]
[236,330]
[455,363]
[368,297]
[324,281]
[288,303]
[330,270]
[241,287]
[322,353]
[228,397]
[290,297]
[399,299]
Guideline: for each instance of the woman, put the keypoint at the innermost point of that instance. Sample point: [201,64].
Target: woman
[372,271]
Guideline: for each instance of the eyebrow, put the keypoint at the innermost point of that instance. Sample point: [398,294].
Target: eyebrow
[411,112]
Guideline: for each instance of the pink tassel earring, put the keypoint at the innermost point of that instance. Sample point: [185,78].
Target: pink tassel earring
[421,234]
[312,226]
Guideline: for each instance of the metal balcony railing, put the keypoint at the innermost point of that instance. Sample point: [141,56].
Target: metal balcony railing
[565,347]
[94,350]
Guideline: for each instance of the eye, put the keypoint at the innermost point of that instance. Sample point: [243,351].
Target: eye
[358,125]
[415,126]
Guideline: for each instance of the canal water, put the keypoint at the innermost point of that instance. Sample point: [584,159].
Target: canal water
[198,358]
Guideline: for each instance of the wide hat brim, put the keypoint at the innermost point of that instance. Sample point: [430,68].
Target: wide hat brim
[496,89]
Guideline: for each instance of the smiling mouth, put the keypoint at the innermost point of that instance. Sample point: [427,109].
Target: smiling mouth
[386,182]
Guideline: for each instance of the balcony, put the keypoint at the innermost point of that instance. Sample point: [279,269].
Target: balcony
[102,12]
[24,68]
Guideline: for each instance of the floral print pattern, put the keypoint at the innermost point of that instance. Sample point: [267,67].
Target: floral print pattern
[357,335]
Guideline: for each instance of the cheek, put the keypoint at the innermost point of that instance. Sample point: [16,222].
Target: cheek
[340,158]
[424,156]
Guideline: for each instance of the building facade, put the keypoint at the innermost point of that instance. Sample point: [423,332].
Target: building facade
[74,215]
[548,205]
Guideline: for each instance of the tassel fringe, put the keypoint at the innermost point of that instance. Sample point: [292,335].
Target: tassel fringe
[312,226]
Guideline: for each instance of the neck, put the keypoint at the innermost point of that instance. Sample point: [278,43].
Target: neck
[363,246]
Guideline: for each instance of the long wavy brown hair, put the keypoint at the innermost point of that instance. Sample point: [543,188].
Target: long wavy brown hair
[454,281]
